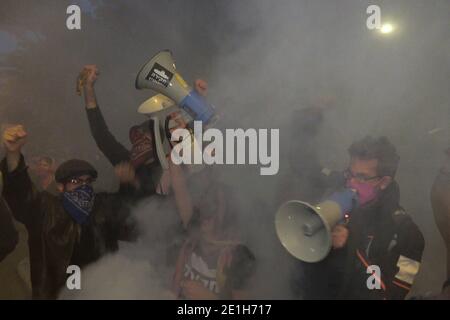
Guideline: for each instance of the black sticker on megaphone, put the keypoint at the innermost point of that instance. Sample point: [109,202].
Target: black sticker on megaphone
[160,75]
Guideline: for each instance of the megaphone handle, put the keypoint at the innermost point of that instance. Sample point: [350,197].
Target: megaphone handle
[167,131]
[159,145]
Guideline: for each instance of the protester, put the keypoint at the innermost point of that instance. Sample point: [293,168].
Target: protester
[142,155]
[42,172]
[75,227]
[440,202]
[212,263]
[378,232]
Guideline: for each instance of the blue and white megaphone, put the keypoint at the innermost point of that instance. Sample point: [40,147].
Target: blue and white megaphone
[305,230]
[160,75]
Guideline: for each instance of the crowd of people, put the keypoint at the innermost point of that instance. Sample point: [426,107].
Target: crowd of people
[68,223]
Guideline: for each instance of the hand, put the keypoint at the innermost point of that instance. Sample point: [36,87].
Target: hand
[85,82]
[164,182]
[339,236]
[126,173]
[201,87]
[177,121]
[89,74]
[195,290]
[14,138]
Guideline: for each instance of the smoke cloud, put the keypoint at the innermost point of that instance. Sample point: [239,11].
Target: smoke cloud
[263,60]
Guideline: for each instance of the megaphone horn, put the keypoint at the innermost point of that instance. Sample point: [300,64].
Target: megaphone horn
[304,230]
[160,75]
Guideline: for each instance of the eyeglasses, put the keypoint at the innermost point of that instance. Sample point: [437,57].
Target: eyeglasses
[79,181]
[359,177]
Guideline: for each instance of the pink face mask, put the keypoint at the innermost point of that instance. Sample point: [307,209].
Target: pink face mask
[365,191]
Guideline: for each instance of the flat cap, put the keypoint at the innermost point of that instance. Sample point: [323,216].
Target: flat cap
[74,168]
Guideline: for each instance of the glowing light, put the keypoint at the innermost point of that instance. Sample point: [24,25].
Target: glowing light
[387,28]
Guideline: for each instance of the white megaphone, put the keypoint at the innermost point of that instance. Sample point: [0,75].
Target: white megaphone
[160,74]
[161,109]
[305,230]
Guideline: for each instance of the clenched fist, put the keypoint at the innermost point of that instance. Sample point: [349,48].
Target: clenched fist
[86,80]
[339,236]
[126,173]
[87,77]
[14,138]
[201,87]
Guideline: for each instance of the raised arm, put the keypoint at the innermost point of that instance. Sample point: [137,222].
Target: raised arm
[113,150]
[183,199]
[19,192]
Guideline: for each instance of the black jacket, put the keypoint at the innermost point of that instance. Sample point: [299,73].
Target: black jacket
[55,240]
[383,235]
[116,153]
[380,234]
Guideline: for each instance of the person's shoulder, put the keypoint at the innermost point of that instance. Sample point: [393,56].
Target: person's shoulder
[402,218]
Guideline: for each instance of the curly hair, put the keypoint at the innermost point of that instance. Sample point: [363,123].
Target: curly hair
[380,149]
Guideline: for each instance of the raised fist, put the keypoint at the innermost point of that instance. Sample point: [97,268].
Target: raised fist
[201,87]
[126,173]
[339,236]
[14,138]
[87,77]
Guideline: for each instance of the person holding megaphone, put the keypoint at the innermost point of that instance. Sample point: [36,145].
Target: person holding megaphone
[358,243]
[147,156]
[143,156]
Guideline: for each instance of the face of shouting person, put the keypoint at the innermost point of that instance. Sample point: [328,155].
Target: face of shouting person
[362,176]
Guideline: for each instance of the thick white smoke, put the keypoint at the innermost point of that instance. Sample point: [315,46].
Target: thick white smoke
[263,59]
